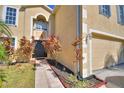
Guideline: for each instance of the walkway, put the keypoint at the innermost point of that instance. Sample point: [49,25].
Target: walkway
[45,77]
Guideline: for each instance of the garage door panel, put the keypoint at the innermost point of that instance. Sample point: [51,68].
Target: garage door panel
[105,52]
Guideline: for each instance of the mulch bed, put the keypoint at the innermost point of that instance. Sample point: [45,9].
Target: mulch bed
[63,73]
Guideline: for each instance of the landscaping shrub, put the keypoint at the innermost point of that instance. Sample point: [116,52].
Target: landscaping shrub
[3,54]
[24,52]
[77,83]
[7,42]
[52,45]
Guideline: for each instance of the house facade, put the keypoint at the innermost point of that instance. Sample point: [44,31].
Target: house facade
[102,30]
[26,20]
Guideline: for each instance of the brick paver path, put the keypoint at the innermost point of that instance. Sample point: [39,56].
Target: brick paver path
[45,77]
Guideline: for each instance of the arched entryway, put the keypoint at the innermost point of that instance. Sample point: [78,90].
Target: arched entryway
[40,32]
[40,27]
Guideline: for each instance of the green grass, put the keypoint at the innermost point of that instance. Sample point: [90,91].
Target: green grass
[18,76]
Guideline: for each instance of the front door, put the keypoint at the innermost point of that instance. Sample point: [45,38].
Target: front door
[39,50]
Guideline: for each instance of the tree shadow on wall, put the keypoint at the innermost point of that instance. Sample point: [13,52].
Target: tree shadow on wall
[109,58]
[109,61]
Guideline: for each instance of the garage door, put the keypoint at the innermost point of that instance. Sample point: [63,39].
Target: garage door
[106,52]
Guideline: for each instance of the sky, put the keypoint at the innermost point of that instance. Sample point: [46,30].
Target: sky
[51,6]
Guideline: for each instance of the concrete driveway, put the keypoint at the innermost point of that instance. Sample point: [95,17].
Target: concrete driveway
[114,76]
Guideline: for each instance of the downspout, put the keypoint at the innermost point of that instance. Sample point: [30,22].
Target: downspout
[79,34]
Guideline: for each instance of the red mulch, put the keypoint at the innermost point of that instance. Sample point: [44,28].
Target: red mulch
[95,81]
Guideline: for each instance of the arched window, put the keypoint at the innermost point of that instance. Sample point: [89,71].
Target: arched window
[40,23]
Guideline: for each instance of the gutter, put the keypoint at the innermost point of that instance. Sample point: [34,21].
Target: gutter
[78,35]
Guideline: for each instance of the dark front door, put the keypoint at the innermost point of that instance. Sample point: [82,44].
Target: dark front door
[39,50]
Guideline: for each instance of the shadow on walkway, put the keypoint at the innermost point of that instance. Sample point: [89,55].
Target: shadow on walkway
[115,82]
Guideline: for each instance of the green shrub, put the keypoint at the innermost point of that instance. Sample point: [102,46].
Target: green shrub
[77,83]
[3,54]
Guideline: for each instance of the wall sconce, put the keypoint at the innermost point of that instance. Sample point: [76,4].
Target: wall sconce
[88,37]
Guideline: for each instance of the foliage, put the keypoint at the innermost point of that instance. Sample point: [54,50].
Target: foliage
[3,54]
[5,29]
[52,45]
[78,51]
[24,52]
[19,76]
[7,42]
[77,83]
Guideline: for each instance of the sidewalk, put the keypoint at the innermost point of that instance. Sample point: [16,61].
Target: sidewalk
[45,77]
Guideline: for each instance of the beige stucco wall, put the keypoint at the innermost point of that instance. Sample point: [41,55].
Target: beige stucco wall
[65,29]
[103,46]
[102,23]
[51,24]
[1,8]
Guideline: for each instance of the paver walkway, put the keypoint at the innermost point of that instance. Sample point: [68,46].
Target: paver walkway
[45,77]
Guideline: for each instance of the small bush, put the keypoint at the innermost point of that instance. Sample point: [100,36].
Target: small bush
[52,45]
[24,52]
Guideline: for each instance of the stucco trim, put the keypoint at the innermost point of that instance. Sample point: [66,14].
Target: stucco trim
[16,41]
[41,14]
[85,73]
[84,13]
[91,56]
[31,21]
[31,27]
[105,33]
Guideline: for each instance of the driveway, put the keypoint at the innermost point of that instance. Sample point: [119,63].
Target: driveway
[114,76]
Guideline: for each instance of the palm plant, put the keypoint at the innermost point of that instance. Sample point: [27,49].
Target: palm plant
[4,29]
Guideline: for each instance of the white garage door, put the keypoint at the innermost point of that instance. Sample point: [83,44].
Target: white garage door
[106,52]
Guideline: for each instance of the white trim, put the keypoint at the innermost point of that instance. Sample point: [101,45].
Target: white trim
[31,28]
[84,13]
[85,28]
[105,33]
[4,14]
[49,8]
[84,58]
[15,41]
[85,73]
[91,55]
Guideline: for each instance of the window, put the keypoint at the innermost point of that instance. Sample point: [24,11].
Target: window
[105,10]
[11,16]
[13,43]
[40,25]
[120,14]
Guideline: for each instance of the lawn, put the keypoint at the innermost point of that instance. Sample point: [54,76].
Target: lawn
[18,76]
